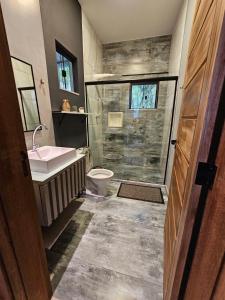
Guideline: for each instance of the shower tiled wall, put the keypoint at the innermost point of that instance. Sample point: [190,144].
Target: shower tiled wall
[138,150]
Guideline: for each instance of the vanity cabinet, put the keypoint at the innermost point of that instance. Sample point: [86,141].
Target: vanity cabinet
[55,193]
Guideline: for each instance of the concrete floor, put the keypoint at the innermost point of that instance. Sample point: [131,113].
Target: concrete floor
[120,256]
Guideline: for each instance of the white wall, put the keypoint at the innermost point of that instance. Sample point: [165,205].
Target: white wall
[92,48]
[177,66]
[177,41]
[93,57]
[25,37]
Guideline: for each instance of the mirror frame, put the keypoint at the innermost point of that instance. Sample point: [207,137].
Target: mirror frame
[33,88]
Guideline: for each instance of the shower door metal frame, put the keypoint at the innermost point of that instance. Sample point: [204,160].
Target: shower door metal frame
[143,80]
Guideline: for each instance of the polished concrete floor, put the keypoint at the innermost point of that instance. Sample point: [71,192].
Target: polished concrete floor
[120,256]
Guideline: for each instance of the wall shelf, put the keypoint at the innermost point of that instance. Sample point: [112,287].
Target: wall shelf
[71,113]
[63,114]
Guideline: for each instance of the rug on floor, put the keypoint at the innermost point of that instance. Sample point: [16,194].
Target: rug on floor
[59,256]
[140,192]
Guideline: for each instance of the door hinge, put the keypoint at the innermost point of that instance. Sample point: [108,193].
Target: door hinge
[205,174]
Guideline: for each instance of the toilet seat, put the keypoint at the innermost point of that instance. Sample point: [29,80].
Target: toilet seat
[100,174]
[97,181]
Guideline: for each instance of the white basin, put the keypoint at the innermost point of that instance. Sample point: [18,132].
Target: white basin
[48,158]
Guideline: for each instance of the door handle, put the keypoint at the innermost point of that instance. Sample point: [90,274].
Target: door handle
[25,163]
[173,142]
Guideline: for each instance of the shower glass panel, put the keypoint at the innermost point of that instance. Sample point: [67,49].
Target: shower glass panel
[132,142]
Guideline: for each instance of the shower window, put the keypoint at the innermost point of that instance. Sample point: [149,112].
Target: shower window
[143,95]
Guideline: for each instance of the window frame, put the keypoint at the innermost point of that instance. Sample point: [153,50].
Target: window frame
[144,82]
[60,49]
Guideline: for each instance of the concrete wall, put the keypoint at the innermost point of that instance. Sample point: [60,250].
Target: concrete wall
[137,57]
[92,49]
[62,22]
[25,38]
[177,41]
[177,65]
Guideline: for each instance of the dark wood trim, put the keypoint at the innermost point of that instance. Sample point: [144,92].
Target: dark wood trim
[21,247]
[5,288]
[219,287]
[8,261]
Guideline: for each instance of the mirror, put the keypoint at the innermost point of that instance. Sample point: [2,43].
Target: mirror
[26,91]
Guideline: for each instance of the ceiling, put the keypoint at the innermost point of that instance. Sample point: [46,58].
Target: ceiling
[121,20]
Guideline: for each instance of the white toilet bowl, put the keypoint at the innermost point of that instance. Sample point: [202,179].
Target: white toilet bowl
[97,181]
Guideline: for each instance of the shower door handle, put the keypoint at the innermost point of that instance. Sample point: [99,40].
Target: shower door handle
[173,142]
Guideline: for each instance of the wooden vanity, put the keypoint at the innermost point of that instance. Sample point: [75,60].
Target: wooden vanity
[54,191]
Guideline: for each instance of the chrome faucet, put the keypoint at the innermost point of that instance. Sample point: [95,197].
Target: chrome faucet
[41,126]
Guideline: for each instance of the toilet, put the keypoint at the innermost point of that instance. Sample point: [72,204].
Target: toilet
[98,180]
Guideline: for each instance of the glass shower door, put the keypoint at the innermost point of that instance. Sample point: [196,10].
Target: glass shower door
[126,138]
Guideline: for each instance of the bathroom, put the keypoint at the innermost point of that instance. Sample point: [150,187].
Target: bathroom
[106,104]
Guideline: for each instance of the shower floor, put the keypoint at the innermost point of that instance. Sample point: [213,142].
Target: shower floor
[120,256]
[135,173]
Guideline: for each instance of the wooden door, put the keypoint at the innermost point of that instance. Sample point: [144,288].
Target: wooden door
[206,279]
[202,88]
[5,292]
[23,266]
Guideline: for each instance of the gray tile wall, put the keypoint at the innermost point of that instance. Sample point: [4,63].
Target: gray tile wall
[149,55]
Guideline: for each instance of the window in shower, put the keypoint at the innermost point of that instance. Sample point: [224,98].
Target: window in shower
[143,95]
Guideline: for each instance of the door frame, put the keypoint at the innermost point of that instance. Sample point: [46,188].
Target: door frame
[24,272]
[215,72]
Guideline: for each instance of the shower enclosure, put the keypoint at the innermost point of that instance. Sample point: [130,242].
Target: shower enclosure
[129,126]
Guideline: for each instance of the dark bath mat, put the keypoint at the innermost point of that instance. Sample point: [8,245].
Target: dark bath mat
[140,192]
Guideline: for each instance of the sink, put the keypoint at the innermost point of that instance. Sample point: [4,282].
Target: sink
[48,158]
